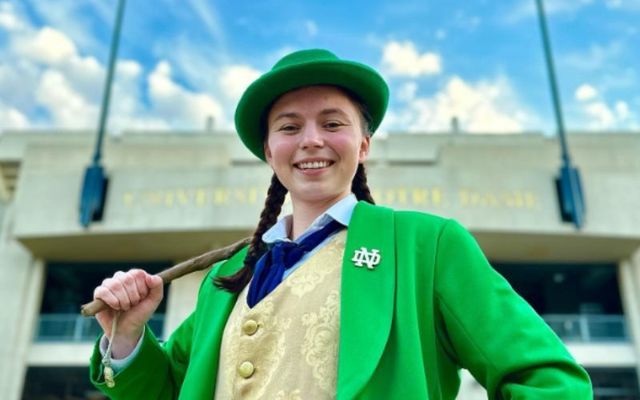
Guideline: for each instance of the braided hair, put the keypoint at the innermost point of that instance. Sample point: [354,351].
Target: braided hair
[268,217]
[359,185]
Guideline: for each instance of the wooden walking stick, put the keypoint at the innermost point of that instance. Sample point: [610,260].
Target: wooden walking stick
[197,263]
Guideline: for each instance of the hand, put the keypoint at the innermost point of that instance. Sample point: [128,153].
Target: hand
[136,294]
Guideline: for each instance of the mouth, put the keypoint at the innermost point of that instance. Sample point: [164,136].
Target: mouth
[310,165]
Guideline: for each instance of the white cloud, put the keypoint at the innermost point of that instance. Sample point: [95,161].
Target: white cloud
[129,68]
[67,107]
[178,105]
[86,75]
[12,118]
[46,81]
[585,92]
[212,72]
[70,17]
[128,111]
[486,106]
[622,109]
[234,79]
[196,63]
[601,116]
[403,59]
[18,81]
[407,92]
[48,46]
[55,77]
[8,19]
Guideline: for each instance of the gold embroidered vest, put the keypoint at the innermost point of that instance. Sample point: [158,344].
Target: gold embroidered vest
[286,346]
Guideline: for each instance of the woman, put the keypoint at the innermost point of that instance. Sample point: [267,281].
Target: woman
[342,298]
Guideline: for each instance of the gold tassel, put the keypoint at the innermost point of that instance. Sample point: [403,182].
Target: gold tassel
[106,360]
[108,377]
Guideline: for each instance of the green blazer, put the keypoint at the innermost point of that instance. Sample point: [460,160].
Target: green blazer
[432,305]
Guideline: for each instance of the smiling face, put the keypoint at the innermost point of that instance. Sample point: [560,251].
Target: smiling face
[314,143]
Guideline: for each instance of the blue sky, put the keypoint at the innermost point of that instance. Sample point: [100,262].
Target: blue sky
[181,61]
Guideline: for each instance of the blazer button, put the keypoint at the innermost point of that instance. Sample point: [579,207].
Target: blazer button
[250,327]
[246,369]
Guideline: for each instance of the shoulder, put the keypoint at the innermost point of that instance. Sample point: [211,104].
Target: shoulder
[442,232]
[405,216]
[426,223]
[420,218]
[225,268]
[418,224]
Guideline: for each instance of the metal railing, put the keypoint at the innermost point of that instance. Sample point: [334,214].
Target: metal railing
[585,328]
[588,328]
[76,328]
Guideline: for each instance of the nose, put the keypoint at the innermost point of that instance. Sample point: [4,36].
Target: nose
[311,137]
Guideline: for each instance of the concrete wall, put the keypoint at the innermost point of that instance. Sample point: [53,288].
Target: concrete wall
[182,300]
[629,276]
[21,284]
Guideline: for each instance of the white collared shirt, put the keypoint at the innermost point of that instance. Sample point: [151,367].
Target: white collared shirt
[340,212]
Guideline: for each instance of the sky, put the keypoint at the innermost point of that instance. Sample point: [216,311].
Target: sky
[182,62]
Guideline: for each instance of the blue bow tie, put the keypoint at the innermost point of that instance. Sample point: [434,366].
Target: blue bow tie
[270,268]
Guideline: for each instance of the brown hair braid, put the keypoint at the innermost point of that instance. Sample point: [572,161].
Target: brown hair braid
[359,185]
[269,216]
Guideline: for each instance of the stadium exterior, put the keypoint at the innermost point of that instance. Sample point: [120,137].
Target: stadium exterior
[175,195]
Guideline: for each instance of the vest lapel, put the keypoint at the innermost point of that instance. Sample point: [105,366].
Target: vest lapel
[367,298]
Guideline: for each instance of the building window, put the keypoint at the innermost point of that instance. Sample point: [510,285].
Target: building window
[59,383]
[581,302]
[68,286]
[614,383]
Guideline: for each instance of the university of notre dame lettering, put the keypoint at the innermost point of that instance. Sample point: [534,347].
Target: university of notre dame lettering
[409,197]
[502,199]
[195,197]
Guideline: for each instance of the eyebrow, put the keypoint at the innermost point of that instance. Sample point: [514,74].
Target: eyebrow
[326,111]
[334,111]
[286,115]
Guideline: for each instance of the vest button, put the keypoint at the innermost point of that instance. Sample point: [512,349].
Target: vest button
[250,327]
[246,369]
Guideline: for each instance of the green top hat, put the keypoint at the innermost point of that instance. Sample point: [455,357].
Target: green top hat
[306,68]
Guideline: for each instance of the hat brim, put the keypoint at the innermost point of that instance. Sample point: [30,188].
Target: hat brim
[359,79]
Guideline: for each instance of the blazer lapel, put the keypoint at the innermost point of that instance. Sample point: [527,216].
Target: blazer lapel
[367,296]
[200,380]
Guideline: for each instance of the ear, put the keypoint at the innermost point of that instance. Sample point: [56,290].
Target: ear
[364,148]
[267,152]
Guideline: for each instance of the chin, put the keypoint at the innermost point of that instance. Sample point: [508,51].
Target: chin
[317,195]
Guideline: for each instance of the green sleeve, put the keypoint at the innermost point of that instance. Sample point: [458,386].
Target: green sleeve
[491,331]
[156,372]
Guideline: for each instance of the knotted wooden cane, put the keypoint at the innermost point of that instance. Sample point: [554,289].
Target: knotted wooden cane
[197,263]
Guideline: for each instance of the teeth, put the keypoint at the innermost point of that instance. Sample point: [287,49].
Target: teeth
[314,164]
